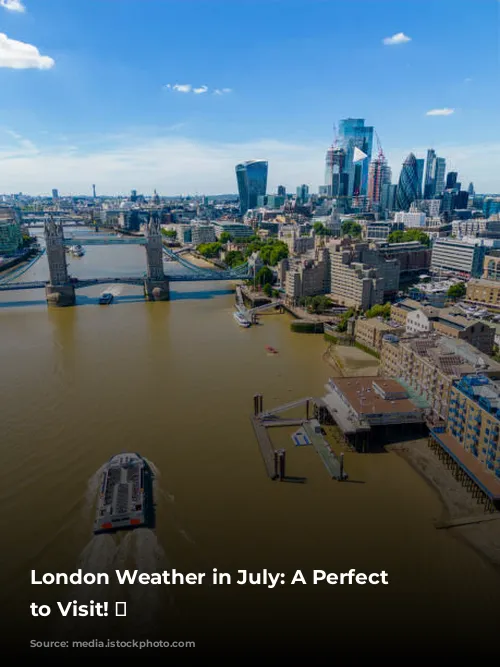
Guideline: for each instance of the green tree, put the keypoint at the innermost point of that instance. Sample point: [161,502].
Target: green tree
[320,229]
[225,237]
[344,318]
[457,291]
[400,236]
[264,276]
[234,258]
[169,233]
[209,249]
[268,290]
[379,311]
[351,228]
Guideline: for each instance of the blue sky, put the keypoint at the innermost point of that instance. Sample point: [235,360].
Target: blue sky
[89,89]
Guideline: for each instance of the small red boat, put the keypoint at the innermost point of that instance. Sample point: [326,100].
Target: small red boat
[272,350]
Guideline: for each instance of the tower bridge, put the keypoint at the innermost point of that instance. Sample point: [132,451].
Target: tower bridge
[61,287]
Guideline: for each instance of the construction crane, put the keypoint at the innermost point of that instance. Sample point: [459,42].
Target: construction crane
[379,145]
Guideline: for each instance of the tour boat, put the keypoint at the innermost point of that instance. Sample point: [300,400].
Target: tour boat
[77,251]
[106,298]
[242,321]
[125,494]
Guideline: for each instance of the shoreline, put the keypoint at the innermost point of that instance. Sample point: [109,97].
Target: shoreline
[455,501]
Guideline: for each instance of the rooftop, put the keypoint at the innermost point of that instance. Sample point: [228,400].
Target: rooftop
[454,357]
[365,399]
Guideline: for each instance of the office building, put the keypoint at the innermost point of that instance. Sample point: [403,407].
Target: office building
[491,206]
[303,193]
[336,178]
[379,174]
[388,194]
[356,140]
[251,178]
[281,191]
[411,219]
[55,194]
[380,230]
[434,175]
[408,189]
[237,230]
[464,257]
[420,173]
[451,180]
[203,234]
[11,238]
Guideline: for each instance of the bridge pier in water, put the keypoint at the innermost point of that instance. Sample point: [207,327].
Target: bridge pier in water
[59,291]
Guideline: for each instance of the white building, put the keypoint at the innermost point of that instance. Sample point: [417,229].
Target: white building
[237,230]
[411,219]
[418,321]
[461,257]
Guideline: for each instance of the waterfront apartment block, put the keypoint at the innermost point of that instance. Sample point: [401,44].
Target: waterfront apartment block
[414,258]
[470,441]
[428,364]
[371,331]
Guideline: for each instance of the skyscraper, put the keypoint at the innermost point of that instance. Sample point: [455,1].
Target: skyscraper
[434,175]
[251,177]
[379,174]
[471,189]
[451,180]
[281,191]
[408,190]
[55,194]
[357,140]
[430,174]
[440,172]
[420,167]
[303,193]
[336,180]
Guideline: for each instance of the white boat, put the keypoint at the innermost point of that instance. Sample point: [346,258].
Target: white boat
[242,321]
[77,251]
[125,496]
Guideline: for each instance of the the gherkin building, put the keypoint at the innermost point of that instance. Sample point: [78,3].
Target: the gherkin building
[408,186]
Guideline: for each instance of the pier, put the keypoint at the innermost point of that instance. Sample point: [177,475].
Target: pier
[275,460]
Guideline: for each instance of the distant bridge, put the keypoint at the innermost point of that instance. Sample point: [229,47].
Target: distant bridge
[155,281]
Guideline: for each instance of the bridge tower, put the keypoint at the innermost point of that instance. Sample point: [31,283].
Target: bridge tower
[156,284]
[59,291]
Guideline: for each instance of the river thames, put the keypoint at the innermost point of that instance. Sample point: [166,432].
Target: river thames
[175,382]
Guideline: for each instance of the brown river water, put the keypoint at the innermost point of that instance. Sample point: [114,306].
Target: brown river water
[175,382]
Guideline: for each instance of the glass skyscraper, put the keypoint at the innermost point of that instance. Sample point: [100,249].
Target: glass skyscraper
[251,177]
[354,134]
[434,175]
[408,186]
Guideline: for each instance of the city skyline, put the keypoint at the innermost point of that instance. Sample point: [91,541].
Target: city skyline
[81,107]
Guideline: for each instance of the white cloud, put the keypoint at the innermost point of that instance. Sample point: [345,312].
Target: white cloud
[398,38]
[468,80]
[144,160]
[440,112]
[13,5]
[19,55]
[188,88]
